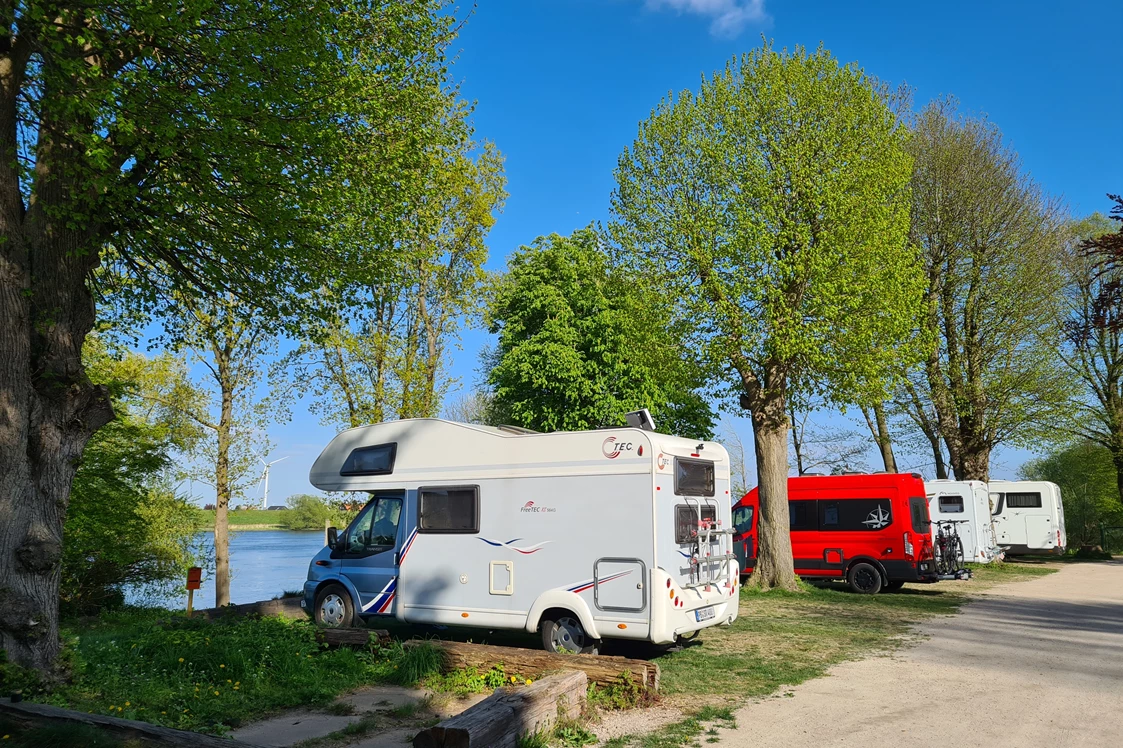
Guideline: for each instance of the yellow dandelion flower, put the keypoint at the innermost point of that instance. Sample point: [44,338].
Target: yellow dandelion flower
[222,666]
[237,683]
[229,681]
[216,693]
[512,679]
[127,704]
[235,688]
[120,709]
[163,712]
[5,737]
[181,659]
[112,707]
[185,711]
[529,681]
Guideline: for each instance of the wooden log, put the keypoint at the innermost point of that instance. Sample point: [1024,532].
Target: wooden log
[26,715]
[289,607]
[359,637]
[502,718]
[600,669]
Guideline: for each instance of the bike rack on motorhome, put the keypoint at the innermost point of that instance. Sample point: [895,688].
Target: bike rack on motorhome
[968,503]
[617,533]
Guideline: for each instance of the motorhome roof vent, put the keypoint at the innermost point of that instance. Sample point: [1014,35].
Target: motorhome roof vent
[516,429]
[640,419]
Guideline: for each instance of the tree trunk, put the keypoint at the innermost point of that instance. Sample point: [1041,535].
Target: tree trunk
[774,567]
[222,484]
[48,411]
[879,429]
[1117,459]
[797,445]
[975,464]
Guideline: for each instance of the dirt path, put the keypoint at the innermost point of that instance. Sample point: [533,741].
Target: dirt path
[1026,663]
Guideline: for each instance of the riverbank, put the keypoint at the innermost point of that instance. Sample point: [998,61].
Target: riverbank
[251,519]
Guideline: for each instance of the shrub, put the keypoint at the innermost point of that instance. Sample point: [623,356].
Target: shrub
[309,512]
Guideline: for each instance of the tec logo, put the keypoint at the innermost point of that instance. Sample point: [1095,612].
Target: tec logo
[613,449]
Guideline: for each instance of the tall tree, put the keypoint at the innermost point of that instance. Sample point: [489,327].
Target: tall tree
[878,424]
[197,146]
[773,205]
[1094,353]
[581,344]
[990,238]
[231,346]
[383,354]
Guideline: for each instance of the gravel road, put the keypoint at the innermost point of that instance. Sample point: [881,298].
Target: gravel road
[1037,663]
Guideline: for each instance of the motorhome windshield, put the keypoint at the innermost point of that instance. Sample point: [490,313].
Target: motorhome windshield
[694,477]
[743,520]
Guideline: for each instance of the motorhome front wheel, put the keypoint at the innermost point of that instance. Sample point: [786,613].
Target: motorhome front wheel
[566,634]
[334,608]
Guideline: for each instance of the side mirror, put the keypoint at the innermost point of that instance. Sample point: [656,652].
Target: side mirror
[333,538]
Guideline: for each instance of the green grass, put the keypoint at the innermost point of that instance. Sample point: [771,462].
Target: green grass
[195,675]
[57,736]
[241,518]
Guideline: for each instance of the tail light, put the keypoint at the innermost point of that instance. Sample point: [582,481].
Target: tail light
[909,550]
[1058,538]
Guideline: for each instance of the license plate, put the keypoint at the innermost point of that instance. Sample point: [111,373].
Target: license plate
[704,614]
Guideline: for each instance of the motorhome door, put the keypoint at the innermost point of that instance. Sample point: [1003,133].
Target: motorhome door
[370,548]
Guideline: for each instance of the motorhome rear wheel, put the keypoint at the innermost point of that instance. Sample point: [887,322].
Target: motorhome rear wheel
[864,578]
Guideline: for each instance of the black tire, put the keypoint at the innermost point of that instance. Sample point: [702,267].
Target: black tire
[892,586]
[957,555]
[864,578]
[563,632]
[334,608]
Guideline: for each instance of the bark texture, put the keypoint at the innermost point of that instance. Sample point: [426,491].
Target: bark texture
[879,429]
[766,404]
[48,407]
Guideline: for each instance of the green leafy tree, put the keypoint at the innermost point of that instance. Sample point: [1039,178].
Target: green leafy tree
[1094,332]
[383,354]
[991,239]
[311,512]
[581,344]
[773,206]
[1086,475]
[126,527]
[193,147]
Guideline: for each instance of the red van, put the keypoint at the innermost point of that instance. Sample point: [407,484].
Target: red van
[871,530]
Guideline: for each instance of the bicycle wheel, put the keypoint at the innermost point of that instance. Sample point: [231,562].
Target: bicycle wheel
[957,555]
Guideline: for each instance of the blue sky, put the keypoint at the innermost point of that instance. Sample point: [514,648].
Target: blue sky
[561,86]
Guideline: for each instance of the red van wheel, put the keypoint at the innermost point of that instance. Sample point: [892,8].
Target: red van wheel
[864,578]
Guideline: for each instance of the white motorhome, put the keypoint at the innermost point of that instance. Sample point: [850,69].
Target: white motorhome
[1028,516]
[582,536]
[968,504]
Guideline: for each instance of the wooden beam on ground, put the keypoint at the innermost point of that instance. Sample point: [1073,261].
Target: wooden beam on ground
[289,607]
[360,637]
[501,719]
[599,669]
[27,715]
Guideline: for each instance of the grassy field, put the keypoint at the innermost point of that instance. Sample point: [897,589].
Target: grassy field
[249,518]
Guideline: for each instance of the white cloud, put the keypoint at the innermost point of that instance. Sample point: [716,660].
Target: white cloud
[729,16]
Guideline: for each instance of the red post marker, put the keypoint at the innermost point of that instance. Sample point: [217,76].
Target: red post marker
[194,580]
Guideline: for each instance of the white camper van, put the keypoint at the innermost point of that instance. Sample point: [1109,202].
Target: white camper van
[968,503]
[582,536]
[1028,516]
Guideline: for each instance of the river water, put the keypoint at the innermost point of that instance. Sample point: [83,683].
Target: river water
[263,564]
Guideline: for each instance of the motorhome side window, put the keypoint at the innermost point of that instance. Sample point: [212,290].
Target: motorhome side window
[951,504]
[376,460]
[694,477]
[449,510]
[1023,500]
[855,514]
[801,515]
[919,509]
[376,527]
[686,521]
[743,520]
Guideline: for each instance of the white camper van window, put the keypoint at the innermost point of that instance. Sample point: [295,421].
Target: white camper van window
[450,510]
[1023,500]
[376,460]
[686,521]
[376,528]
[694,477]
[951,504]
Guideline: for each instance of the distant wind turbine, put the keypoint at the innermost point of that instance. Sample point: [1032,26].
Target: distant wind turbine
[265,480]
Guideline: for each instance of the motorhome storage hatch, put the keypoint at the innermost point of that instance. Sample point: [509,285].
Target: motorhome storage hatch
[581,536]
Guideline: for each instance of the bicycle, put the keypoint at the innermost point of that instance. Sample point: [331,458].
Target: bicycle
[948,546]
